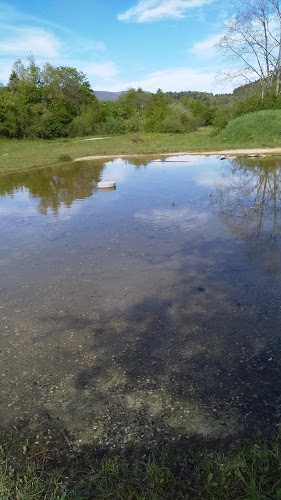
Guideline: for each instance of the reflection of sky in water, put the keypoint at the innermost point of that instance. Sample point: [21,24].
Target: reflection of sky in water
[173,194]
[181,219]
[18,203]
[161,297]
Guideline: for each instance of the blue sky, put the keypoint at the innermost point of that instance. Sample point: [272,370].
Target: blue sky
[119,44]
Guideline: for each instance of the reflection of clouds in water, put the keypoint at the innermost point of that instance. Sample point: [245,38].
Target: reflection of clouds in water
[213,179]
[115,171]
[65,213]
[174,219]
[231,174]
[232,184]
[118,170]
[18,203]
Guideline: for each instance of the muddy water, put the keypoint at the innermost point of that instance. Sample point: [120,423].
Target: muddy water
[144,314]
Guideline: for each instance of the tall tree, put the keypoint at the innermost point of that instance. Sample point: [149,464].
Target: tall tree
[252,44]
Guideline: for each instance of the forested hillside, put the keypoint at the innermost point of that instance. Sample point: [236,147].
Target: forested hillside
[104,95]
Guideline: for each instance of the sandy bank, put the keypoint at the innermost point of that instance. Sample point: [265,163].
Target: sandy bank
[222,152]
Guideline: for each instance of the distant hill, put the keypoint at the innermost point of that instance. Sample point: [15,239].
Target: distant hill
[247,90]
[206,97]
[103,95]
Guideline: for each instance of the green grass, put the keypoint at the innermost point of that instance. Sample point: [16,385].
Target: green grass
[23,154]
[260,129]
[55,472]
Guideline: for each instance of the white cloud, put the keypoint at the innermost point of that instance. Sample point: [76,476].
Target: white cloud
[154,10]
[175,79]
[105,70]
[35,40]
[22,34]
[205,48]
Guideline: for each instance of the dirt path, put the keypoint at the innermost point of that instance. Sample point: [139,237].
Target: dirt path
[222,152]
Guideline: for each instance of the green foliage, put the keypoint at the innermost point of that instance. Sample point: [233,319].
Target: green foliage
[202,113]
[156,111]
[64,158]
[53,102]
[112,125]
[135,123]
[154,116]
[206,98]
[42,102]
[178,119]
[86,123]
[172,124]
[132,102]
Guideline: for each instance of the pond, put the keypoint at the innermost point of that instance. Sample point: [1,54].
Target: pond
[145,314]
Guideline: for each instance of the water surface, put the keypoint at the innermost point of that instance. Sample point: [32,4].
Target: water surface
[144,314]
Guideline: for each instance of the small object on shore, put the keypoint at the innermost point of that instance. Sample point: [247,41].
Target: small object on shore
[107,185]
[137,140]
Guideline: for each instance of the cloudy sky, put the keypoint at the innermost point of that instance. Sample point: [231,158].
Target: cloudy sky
[167,44]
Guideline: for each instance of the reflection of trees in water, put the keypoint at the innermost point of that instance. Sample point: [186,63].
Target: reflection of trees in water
[250,203]
[55,186]
[60,186]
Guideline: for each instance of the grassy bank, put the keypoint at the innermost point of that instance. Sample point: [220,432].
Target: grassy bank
[256,130]
[29,470]
[262,128]
[18,155]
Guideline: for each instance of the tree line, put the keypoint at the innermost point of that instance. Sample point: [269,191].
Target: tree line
[52,102]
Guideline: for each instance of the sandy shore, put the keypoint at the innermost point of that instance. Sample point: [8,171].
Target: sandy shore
[222,152]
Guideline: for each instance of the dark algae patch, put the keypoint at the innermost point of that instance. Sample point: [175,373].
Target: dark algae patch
[141,321]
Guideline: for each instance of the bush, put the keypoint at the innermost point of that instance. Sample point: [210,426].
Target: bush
[81,125]
[112,125]
[134,124]
[86,123]
[172,124]
[64,158]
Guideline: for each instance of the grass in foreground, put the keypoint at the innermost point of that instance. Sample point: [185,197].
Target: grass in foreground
[19,155]
[260,129]
[252,472]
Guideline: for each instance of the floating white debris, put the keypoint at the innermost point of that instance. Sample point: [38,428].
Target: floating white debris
[107,185]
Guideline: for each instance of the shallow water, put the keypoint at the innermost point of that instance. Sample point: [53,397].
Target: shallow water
[144,314]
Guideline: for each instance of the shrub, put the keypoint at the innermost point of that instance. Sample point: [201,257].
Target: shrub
[64,158]
[134,124]
[172,124]
[112,125]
